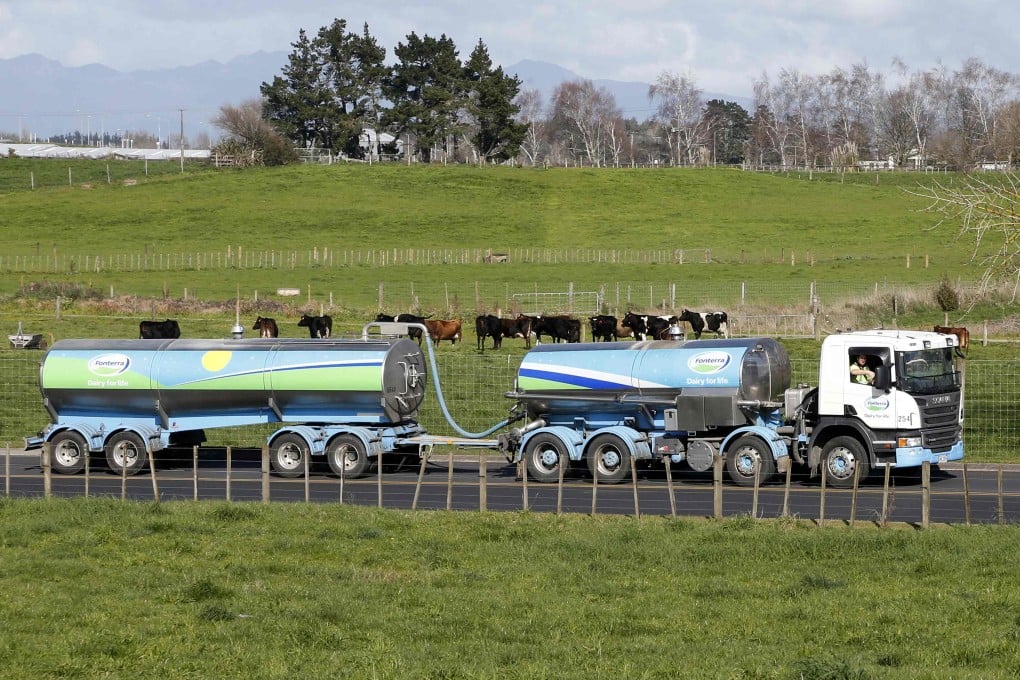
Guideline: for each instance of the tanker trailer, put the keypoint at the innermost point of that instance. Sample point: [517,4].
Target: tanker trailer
[346,399]
[605,403]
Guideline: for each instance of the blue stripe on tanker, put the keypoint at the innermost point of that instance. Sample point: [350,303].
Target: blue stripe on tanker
[574,376]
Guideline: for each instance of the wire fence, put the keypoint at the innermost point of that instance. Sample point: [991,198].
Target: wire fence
[485,484]
[474,387]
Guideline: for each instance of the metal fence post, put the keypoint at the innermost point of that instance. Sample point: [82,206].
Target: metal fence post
[966,495]
[194,472]
[633,478]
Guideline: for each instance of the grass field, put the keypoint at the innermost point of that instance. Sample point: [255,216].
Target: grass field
[102,588]
[196,590]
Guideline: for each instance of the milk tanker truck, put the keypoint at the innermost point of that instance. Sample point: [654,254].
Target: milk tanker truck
[345,399]
[602,403]
[605,404]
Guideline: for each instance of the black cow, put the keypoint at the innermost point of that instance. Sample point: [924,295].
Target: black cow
[561,327]
[518,328]
[715,322]
[413,333]
[603,327]
[318,326]
[266,327]
[489,325]
[149,330]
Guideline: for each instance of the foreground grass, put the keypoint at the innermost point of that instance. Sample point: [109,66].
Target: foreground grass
[103,588]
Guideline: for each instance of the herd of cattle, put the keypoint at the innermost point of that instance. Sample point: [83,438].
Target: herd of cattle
[558,328]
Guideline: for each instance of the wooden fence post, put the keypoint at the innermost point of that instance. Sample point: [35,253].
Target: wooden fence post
[925,494]
[717,469]
[966,496]
[885,496]
[424,454]
[265,474]
[449,483]
[7,472]
[307,453]
[483,474]
[561,468]
[786,491]
[47,471]
[633,477]
[669,485]
[821,500]
[152,472]
[230,467]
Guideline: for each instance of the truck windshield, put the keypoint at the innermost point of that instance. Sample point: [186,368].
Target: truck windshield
[928,371]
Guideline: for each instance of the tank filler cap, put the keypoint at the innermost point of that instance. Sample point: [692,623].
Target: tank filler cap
[237,331]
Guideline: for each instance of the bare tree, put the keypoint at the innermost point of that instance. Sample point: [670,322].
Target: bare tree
[532,113]
[582,115]
[773,114]
[250,138]
[678,107]
[981,208]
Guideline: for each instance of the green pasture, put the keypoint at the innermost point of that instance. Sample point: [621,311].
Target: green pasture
[96,588]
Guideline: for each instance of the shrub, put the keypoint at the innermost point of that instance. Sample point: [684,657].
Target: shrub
[946,296]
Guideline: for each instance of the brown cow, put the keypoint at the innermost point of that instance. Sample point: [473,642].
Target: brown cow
[962,335]
[443,329]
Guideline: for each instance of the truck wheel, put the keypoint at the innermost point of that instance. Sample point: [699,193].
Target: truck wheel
[347,456]
[746,455]
[68,452]
[542,455]
[840,457]
[288,455]
[125,454]
[608,457]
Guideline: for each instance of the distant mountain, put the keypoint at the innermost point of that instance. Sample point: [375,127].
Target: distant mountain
[44,98]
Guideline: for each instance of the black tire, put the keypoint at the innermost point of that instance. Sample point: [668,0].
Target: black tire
[68,452]
[746,455]
[288,455]
[840,457]
[542,456]
[347,456]
[126,454]
[609,458]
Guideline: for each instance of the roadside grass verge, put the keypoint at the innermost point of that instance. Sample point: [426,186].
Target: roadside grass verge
[96,587]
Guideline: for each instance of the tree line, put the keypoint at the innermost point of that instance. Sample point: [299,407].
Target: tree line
[337,92]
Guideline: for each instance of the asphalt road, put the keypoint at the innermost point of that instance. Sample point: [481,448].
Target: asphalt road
[986,494]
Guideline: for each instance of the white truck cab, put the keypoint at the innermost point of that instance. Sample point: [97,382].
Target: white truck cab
[909,412]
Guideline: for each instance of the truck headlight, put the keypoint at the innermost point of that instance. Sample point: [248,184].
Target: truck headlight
[908,442]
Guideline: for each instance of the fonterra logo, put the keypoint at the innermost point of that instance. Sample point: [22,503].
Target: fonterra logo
[876,405]
[109,365]
[708,362]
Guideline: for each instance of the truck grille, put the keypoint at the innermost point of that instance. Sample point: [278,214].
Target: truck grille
[940,421]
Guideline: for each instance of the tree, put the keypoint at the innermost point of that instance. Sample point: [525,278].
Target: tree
[530,112]
[426,87]
[729,126]
[250,139]
[679,110]
[294,102]
[491,107]
[330,88]
[582,116]
[353,69]
[980,209]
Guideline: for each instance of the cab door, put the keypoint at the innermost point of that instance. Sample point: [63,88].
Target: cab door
[874,406]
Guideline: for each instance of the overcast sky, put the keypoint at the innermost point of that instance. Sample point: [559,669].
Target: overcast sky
[723,44]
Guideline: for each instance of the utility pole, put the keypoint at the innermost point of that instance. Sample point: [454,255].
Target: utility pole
[182,140]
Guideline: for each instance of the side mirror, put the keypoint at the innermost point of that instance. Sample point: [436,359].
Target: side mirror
[883,378]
